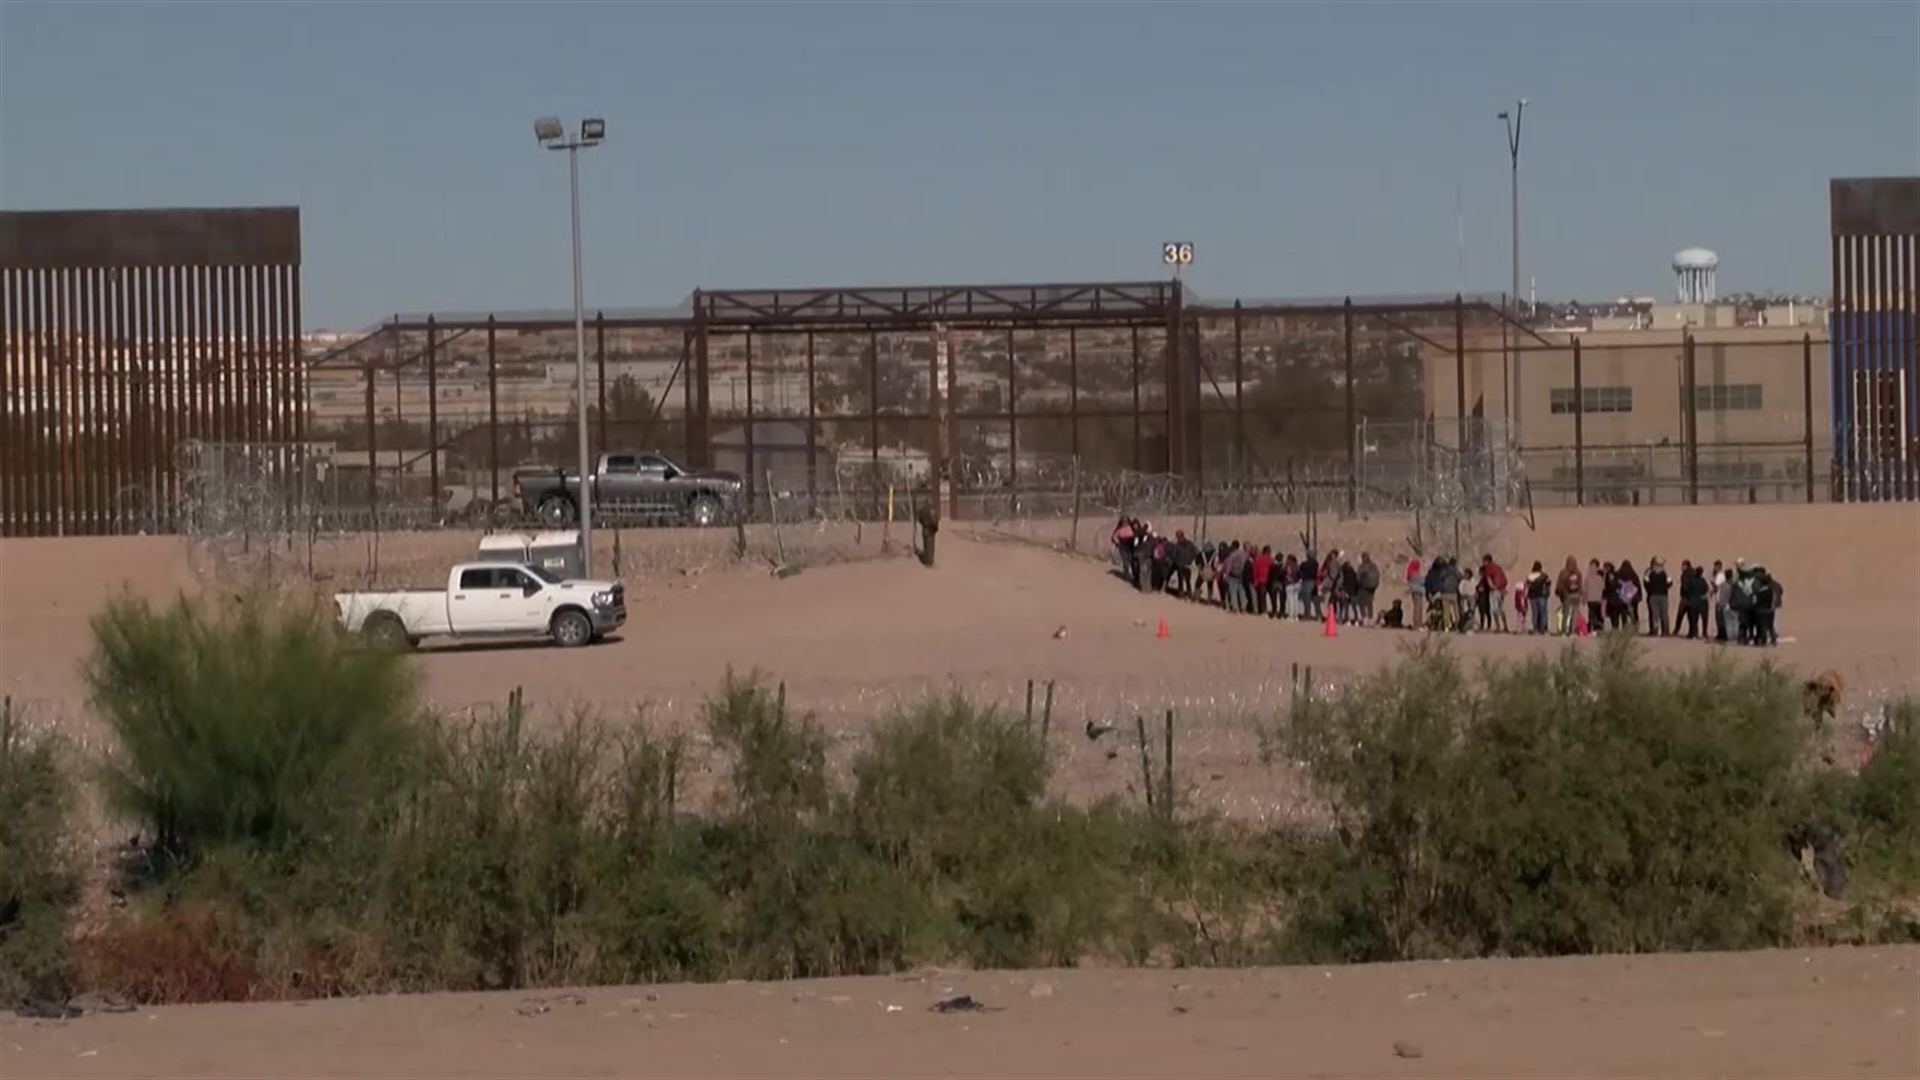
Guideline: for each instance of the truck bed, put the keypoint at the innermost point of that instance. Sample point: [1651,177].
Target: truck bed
[424,611]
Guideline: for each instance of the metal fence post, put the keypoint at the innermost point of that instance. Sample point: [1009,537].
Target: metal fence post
[1353,456]
[813,436]
[1460,372]
[433,409]
[373,444]
[493,412]
[1806,403]
[1135,336]
[1239,469]
[752,470]
[1579,428]
[600,354]
[1692,403]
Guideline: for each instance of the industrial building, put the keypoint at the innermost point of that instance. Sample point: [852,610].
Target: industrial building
[1695,401]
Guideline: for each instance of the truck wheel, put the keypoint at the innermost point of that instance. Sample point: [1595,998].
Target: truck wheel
[572,629]
[389,633]
[703,511]
[556,512]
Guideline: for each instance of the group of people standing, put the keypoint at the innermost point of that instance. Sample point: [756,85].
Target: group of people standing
[1744,601]
[1247,578]
[1446,596]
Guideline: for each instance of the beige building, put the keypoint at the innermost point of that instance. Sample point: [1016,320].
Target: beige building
[1631,432]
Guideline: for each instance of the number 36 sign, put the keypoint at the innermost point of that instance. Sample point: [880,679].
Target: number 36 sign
[1179,254]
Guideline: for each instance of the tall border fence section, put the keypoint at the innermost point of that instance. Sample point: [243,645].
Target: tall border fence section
[126,335]
[155,380]
[1876,337]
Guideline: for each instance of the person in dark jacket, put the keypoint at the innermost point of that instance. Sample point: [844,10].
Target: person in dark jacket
[1184,553]
[1491,592]
[1765,603]
[1277,589]
[1658,586]
[1369,573]
[1539,589]
[1632,592]
[1394,618]
[1309,582]
[1694,593]
[1445,583]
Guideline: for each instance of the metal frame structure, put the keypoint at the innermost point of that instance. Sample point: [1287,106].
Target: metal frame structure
[1169,387]
[1123,376]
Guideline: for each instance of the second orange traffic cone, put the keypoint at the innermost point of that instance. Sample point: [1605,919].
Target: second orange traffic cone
[1162,632]
[1333,629]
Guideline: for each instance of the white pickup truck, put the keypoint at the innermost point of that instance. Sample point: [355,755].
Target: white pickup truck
[488,599]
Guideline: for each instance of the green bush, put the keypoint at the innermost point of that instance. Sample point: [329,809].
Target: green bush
[1587,803]
[342,841]
[1885,807]
[39,878]
[952,798]
[251,722]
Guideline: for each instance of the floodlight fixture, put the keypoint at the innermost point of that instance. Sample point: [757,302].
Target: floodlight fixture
[593,130]
[548,129]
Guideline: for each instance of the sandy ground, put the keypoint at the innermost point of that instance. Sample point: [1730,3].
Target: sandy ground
[1843,1013]
[853,639]
[850,640]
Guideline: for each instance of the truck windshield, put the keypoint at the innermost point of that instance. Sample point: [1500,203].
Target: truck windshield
[543,574]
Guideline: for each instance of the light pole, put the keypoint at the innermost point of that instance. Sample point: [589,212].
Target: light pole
[553,135]
[1512,120]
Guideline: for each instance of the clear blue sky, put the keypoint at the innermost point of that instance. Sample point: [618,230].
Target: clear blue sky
[1306,150]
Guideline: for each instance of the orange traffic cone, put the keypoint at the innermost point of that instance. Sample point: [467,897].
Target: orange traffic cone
[1333,629]
[1162,632]
[1580,626]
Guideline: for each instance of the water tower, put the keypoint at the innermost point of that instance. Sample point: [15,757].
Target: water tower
[1693,273]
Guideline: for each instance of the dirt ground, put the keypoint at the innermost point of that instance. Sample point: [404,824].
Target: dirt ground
[1840,1013]
[855,638]
[861,630]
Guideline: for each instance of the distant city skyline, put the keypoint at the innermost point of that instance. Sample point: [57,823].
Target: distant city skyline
[1306,150]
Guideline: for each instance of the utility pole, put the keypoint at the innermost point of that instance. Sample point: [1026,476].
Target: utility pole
[554,136]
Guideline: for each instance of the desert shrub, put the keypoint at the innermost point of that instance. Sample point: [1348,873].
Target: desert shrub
[524,861]
[776,761]
[804,898]
[1885,800]
[197,951]
[1586,803]
[952,797]
[1208,892]
[39,878]
[252,721]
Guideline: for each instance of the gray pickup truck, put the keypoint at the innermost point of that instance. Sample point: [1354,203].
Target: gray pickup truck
[629,486]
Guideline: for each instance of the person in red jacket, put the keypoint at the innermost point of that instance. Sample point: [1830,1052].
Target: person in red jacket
[1262,570]
[1492,595]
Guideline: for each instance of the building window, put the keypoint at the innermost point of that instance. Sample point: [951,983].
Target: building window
[1727,397]
[1593,399]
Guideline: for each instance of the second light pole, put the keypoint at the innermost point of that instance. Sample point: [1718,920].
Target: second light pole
[1512,119]
[553,135]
